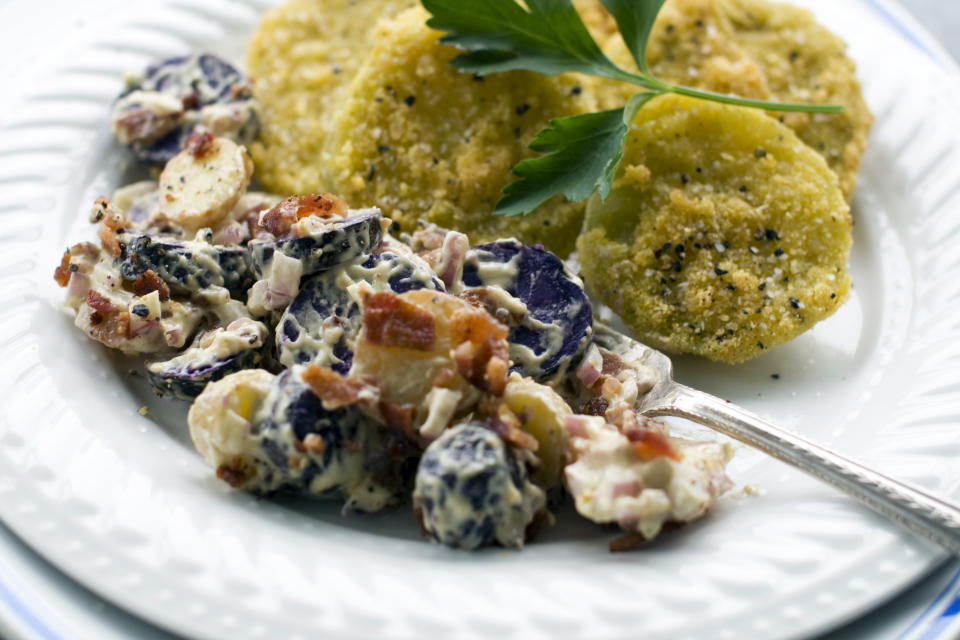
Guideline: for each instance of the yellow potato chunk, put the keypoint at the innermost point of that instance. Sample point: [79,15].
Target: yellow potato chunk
[301,59]
[200,190]
[542,413]
[424,141]
[723,235]
[755,49]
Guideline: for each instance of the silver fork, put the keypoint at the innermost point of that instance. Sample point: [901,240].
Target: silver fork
[908,506]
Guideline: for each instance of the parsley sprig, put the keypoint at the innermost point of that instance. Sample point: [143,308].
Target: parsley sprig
[582,152]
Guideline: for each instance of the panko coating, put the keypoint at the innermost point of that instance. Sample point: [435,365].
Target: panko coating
[723,235]
[301,59]
[423,141]
[755,49]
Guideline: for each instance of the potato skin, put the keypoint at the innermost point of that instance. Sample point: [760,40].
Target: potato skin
[723,236]
[756,49]
[424,141]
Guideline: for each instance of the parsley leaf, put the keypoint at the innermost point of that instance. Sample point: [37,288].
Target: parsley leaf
[500,35]
[584,152]
[635,21]
[549,37]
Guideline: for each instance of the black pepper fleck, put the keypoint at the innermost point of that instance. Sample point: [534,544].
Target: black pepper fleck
[717,270]
[409,100]
[684,178]
[778,252]
[775,376]
[522,109]
[794,303]
[760,152]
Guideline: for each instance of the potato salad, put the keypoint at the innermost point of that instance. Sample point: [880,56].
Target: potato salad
[327,355]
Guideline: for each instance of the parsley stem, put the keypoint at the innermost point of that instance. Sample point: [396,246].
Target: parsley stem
[659,85]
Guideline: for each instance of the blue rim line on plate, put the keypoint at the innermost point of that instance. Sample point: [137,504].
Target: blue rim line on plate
[930,625]
[927,626]
[23,612]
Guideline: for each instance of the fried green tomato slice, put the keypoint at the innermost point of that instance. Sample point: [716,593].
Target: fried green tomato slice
[757,49]
[723,236]
[301,59]
[421,140]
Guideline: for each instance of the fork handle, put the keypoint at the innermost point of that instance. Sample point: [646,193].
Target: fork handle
[912,508]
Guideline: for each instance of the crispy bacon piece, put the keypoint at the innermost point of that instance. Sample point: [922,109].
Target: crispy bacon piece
[595,406]
[649,444]
[506,424]
[612,364]
[282,216]
[336,391]
[148,282]
[101,306]
[108,322]
[112,221]
[199,144]
[391,321]
[62,272]
[398,416]
[231,475]
[481,353]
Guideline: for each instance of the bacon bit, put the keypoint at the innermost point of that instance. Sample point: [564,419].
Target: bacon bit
[649,444]
[199,144]
[391,321]
[496,375]
[314,444]
[626,542]
[101,305]
[595,407]
[109,241]
[506,424]
[282,216]
[398,416]
[481,355]
[62,273]
[294,462]
[253,220]
[148,282]
[612,364]
[336,391]
[231,475]
[191,101]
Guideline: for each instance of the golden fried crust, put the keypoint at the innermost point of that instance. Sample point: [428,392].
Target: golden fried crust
[424,141]
[301,59]
[723,236]
[756,49]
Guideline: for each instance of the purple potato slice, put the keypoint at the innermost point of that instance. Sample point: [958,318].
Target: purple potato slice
[558,321]
[187,265]
[322,323]
[213,355]
[472,490]
[334,241]
[302,448]
[155,115]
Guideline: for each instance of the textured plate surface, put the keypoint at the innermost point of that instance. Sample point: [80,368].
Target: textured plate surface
[123,504]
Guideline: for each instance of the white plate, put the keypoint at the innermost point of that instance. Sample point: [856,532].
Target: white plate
[124,505]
